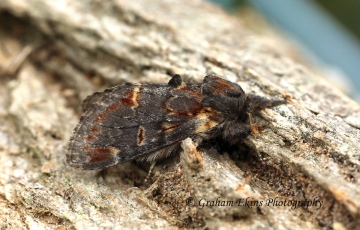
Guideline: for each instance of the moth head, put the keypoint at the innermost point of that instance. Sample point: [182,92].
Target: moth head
[222,95]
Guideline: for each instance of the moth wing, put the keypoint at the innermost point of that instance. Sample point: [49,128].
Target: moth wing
[91,99]
[131,121]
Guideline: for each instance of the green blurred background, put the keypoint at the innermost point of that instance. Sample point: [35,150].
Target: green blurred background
[328,31]
[347,12]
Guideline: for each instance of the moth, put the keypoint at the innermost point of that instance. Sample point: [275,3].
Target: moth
[148,121]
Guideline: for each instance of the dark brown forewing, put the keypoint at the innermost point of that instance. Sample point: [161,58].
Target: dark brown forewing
[130,121]
[91,99]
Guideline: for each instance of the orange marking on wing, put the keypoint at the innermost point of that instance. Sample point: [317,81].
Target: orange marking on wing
[220,85]
[104,150]
[100,158]
[113,107]
[141,135]
[209,118]
[166,128]
[127,102]
[100,154]
[205,125]
[95,129]
[132,97]
[100,117]
[90,137]
[100,151]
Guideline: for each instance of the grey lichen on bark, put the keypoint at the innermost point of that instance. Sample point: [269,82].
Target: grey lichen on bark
[55,53]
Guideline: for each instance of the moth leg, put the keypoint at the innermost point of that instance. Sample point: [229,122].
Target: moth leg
[197,139]
[200,137]
[150,171]
[235,131]
[254,126]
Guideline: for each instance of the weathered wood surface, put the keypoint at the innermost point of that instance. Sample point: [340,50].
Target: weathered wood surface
[54,53]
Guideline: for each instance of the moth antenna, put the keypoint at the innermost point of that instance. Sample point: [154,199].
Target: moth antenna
[255,102]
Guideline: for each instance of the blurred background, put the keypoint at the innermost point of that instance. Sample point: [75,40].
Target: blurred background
[326,32]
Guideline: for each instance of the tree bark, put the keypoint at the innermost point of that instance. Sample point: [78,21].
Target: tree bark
[55,53]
